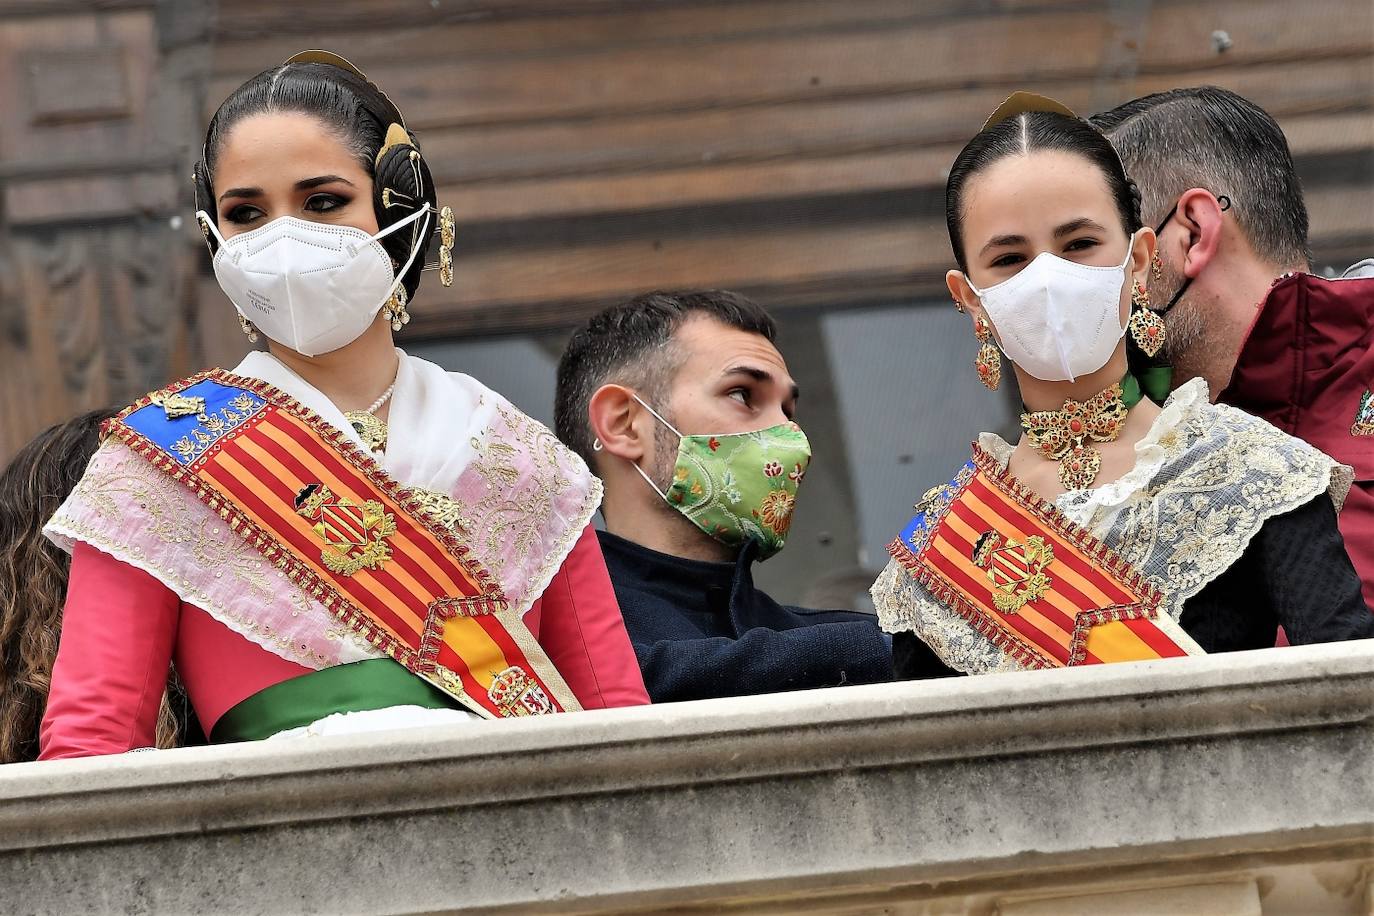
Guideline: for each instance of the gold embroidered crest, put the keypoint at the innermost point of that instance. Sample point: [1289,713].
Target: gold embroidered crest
[176,406]
[355,536]
[1015,570]
[518,694]
[934,497]
[1364,416]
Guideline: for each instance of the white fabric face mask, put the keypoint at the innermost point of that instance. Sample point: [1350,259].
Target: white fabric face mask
[1058,320]
[309,286]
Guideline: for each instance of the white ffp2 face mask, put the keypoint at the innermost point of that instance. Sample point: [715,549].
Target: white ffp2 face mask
[1056,319]
[309,286]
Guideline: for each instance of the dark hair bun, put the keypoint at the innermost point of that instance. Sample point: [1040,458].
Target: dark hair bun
[401,186]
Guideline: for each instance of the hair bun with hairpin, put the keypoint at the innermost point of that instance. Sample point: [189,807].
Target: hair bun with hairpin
[401,186]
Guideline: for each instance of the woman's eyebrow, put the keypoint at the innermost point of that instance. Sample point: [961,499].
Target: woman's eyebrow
[308,183]
[241,192]
[999,241]
[1075,225]
[304,184]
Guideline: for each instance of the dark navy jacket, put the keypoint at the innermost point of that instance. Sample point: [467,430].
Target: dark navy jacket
[703,630]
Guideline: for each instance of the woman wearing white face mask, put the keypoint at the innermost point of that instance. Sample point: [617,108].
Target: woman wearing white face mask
[334,536]
[1116,528]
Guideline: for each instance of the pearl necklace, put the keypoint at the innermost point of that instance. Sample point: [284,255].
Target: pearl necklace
[371,428]
[386,396]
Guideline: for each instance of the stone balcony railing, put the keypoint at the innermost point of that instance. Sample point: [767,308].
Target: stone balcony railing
[1236,784]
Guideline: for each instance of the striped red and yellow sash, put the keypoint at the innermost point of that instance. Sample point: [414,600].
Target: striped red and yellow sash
[326,514]
[1040,587]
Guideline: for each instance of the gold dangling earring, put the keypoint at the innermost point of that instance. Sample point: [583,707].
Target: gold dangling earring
[989,361]
[248,329]
[447,234]
[1156,266]
[1147,328]
[395,309]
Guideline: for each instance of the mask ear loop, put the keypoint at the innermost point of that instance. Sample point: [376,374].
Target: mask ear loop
[414,247]
[635,464]
[662,493]
[208,227]
[1126,276]
[656,414]
[992,338]
[397,136]
[1225,203]
[1130,248]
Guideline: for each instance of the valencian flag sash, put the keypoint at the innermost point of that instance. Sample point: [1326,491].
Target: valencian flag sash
[327,515]
[1039,587]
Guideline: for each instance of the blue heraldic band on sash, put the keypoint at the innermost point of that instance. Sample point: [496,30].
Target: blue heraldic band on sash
[186,425]
[931,509]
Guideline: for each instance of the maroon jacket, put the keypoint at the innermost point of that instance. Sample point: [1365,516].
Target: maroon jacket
[1306,366]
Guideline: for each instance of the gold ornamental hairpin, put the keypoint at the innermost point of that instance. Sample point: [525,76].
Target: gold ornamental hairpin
[448,235]
[1022,102]
[320,56]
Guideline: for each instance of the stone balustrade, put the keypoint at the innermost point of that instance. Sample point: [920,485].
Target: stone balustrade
[1230,784]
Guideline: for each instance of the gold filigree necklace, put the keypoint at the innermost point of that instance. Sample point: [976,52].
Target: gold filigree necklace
[369,427]
[1066,435]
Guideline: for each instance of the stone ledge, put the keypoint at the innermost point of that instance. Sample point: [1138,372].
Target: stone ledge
[972,788]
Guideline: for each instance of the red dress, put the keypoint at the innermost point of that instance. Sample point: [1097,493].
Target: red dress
[121,627]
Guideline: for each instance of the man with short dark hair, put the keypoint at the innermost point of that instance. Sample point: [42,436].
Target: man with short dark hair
[1232,276]
[683,406]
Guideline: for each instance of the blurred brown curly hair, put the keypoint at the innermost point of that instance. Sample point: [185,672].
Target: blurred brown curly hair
[33,581]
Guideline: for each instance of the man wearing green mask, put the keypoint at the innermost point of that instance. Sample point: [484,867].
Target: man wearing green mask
[683,406]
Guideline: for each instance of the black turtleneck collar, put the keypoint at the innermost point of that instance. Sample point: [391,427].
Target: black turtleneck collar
[695,585]
[703,630]
[675,571]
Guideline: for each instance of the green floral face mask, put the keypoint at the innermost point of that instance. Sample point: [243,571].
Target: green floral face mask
[737,486]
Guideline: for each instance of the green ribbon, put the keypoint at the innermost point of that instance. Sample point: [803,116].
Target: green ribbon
[1131,388]
[1130,391]
[375,683]
[1157,382]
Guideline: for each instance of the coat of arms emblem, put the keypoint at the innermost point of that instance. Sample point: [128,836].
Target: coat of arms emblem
[1364,416]
[354,535]
[176,406]
[518,694]
[1016,570]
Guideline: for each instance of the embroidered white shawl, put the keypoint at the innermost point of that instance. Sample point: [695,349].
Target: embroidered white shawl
[1206,479]
[516,496]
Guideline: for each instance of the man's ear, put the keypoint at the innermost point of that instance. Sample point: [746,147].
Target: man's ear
[612,412]
[1199,213]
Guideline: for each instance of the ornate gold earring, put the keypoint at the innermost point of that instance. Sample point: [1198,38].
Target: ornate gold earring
[447,234]
[1147,328]
[395,309]
[989,361]
[1156,266]
[248,329]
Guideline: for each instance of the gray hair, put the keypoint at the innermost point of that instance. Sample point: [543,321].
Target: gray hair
[1211,138]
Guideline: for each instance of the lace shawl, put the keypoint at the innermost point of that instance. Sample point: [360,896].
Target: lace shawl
[515,495]
[1206,479]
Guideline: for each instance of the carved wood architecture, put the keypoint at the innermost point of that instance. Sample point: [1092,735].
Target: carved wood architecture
[791,149]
